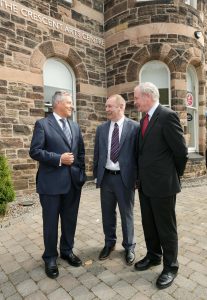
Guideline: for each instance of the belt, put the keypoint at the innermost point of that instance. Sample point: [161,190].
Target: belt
[112,172]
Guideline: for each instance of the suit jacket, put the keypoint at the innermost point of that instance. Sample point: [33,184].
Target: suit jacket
[127,153]
[162,154]
[48,143]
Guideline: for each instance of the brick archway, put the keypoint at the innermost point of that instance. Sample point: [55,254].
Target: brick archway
[196,58]
[57,49]
[156,51]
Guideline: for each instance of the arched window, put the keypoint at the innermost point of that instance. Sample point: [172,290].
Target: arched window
[192,108]
[192,3]
[58,75]
[158,73]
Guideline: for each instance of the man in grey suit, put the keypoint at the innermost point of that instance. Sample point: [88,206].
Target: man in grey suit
[115,169]
[57,145]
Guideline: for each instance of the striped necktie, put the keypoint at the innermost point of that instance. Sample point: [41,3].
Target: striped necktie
[115,144]
[66,130]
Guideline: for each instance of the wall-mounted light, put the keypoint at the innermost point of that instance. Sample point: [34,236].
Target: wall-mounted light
[198,34]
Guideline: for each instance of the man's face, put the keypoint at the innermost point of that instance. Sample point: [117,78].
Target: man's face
[65,108]
[143,103]
[113,110]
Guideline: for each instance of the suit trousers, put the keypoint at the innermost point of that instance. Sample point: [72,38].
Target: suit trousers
[63,205]
[160,229]
[113,191]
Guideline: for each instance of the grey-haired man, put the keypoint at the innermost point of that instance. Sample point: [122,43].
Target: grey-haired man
[57,145]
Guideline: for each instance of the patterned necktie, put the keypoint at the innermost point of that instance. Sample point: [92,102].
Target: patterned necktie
[145,124]
[115,144]
[66,130]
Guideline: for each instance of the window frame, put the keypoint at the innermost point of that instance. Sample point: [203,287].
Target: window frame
[193,73]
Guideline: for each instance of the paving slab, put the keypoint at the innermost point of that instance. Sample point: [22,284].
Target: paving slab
[22,273]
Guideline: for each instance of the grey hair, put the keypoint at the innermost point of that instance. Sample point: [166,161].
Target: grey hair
[148,88]
[59,96]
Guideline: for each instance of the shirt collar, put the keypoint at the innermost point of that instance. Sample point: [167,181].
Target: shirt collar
[57,117]
[119,122]
[152,109]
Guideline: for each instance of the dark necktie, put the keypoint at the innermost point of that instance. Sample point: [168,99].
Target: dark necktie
[145,124]
[66,131]
[115,144]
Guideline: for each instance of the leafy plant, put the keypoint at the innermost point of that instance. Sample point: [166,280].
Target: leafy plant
[7,193]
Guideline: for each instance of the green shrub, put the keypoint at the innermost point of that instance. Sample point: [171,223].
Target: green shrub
[7,193]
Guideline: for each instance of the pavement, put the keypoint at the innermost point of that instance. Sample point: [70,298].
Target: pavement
[22,273]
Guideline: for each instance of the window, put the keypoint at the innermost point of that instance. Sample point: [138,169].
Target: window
[158,73]
[142,1]
[192,3]
[192,109]
[57,75]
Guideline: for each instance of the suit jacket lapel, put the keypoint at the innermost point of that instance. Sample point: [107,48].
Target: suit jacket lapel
[124,133]
[150,125]
[106,134]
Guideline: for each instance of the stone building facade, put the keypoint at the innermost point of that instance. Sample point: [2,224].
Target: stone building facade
[105,47]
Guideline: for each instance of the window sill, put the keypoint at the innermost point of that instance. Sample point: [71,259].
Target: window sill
[195,156]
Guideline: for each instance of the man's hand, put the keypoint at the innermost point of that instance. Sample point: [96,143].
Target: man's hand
[67,158]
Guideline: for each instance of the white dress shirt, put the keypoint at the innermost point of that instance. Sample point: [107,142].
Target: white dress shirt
[152,110]
[110,164]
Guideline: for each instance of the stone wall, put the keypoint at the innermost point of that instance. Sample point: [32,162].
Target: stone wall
[138,32]
[25,44]
[134,33]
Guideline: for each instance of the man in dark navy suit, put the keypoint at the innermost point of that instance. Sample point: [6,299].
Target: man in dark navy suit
[58,146]
[162,159]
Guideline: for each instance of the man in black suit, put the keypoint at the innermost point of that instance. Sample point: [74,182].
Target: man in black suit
[115,168]
[57,145]
[162,160]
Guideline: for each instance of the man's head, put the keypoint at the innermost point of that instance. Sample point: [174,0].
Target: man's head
[145,96]
[115,107]
[62,104]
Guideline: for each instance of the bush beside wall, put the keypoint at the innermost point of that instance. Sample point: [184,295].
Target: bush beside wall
[7,193]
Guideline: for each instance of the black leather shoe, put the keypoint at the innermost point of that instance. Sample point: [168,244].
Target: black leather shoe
[165,279]
[146,263]
[72,259]
[105,252]
[129,257]
[51,269]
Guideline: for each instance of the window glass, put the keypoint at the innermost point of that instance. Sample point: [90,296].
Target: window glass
[158,73]
[192,2]
[57,75]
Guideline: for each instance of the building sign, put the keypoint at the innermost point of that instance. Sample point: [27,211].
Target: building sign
[52,23]
[189,99]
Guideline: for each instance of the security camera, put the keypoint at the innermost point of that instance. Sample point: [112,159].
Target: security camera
[197,34]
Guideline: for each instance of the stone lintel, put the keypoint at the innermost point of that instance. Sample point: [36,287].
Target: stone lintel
[21,76]
[89,89]
[178,84]
[122,88]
